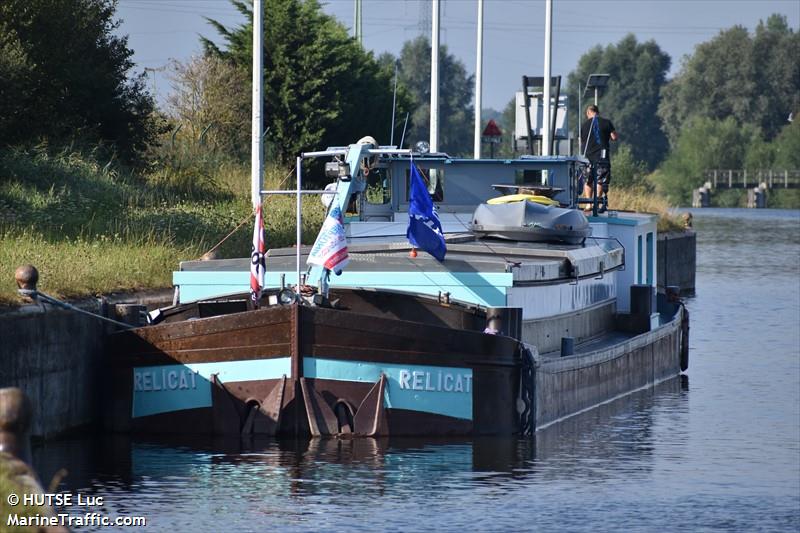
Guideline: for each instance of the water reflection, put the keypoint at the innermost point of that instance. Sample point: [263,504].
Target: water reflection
[240,478]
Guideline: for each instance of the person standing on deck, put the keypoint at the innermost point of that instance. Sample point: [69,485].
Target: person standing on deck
[598,132]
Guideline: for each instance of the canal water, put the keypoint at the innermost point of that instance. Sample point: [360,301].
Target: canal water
[718,449]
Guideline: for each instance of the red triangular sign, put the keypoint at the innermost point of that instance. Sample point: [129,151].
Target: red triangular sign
[491,130]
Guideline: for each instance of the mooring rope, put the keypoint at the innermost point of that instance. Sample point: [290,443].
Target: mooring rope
[244,220]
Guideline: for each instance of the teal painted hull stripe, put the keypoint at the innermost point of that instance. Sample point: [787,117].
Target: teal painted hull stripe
[488,288]
[167,388]
[429,389]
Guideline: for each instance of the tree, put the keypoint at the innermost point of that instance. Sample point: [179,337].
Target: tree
[787,147]
[455,96]
[754,80]
[638,71]
[776,49]
[703,144]
[63,76]
[760,155]
[211,97]
[321,88]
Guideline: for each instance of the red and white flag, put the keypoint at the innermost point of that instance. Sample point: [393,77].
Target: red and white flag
[330,248]
[257,261]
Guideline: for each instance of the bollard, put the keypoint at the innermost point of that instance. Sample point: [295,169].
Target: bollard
[26,277]
[504,321]
[761,196]
[642,297]
[705,197]
[567,346]
[15,423]
[701,197]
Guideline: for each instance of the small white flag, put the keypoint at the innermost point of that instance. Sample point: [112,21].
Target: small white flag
[330,248]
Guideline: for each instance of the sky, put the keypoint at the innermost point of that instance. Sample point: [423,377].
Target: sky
[162,30]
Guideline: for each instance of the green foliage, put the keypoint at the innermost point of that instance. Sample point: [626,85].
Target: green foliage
[787,146]
[755,80]
[321,87]
[703,144]
[628,172]
[455,94]
[783,198]
[729,198]
[760,155]
[776,49]
[638,71]
[63,77]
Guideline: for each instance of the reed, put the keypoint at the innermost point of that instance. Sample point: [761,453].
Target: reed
[643,201]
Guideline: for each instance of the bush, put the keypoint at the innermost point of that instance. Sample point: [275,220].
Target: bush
[627,172]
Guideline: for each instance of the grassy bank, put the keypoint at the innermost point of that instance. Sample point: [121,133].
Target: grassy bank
[94,228]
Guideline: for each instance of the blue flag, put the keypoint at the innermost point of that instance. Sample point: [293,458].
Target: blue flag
[424,228]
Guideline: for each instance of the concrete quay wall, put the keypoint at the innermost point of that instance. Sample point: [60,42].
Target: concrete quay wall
[56,357]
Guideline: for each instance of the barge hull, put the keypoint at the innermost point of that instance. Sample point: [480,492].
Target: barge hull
[312,371]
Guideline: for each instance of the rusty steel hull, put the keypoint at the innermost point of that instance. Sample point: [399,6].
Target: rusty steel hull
[383,365]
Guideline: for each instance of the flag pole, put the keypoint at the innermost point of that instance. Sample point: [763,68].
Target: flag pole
[299,165]
[548,44]
[479,82]
[257,149]
[434,132]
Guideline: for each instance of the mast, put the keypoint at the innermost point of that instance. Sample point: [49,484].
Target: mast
[257,150]
[548,42]
[358,35]
[434,133]
[479,82]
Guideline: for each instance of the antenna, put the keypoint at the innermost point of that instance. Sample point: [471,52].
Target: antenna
[394,105]
[403,138]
